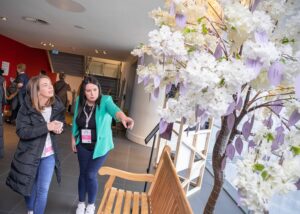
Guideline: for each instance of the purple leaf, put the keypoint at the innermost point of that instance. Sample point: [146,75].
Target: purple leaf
[230,150]
[230,121]
[141,60]
[279,129]
[180,20]
[231,108]
[279,139]
[239,103]
[251,144]
[182,89]
[146,80]
[255,65]
[172,9]
[140,79]
[155,94]
[223,164]
[261,37]
[167,134]
[274,146]
[268,122]
[297,86]
[275,73]
[294,118]
[218,51]
[199,112]
[156,81]
[246,130]
[277,106]
[256,2]
[168,88]
[163,125]
[298,184]
[239,145]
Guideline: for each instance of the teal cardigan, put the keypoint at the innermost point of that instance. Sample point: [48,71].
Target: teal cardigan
[104,114]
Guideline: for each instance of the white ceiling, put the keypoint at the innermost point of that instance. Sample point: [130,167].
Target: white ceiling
[116,26]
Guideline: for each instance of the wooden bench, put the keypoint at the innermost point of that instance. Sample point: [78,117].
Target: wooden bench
[165,195]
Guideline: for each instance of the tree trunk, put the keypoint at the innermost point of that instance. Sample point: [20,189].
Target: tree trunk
[217,158]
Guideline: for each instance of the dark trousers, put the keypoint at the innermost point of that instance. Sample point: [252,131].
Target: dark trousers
[88,182]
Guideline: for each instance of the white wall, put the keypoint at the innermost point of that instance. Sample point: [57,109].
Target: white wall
[143,111]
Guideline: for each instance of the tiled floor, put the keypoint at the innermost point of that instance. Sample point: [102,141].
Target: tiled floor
[63,198]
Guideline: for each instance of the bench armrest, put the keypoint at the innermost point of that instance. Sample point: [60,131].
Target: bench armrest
[126,175]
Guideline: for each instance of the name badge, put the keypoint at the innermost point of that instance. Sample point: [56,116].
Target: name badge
[86,136]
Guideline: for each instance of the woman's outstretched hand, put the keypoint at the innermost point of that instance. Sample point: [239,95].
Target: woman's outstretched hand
[127,122]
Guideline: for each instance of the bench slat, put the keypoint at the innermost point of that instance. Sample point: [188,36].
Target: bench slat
[144,203]
[103,201]
[119,201]
[135,203]
[111,200]
[127,202]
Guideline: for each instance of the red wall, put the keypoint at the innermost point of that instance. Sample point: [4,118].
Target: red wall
[14,52]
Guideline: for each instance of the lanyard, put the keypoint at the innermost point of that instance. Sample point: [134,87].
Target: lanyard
[88,117]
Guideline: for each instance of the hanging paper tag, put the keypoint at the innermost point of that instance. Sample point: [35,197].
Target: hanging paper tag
[86,136]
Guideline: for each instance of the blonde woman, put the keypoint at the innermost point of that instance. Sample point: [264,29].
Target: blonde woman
[39,120]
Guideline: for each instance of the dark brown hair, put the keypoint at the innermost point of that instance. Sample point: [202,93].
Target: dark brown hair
[85,81]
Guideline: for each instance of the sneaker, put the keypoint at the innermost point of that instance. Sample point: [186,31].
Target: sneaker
[30,212]
[80,208]
[90,209]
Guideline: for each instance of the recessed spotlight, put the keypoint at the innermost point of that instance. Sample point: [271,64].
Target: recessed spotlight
[29,19]
[79,27]
[47,44]
[96,51]
[3,18]
[35,20]
[104,52]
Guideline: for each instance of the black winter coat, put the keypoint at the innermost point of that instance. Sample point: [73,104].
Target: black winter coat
[32,131]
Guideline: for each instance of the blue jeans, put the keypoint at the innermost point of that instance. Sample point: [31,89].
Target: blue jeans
[88,182]
[36,202]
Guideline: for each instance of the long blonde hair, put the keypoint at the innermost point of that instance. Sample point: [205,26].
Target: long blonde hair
[33,88]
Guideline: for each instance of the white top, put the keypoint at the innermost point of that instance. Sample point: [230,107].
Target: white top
[48,149]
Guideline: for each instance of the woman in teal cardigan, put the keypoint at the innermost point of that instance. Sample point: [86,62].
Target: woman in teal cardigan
[92,137]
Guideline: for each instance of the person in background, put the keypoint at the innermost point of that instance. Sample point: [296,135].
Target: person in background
[92,137]
[22,80]
[3,101]
[39,120]
[61,89]
[43,72]
[18,98]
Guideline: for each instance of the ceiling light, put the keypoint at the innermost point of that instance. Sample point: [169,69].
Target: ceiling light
[29,19]
[47,44]
[96,51]
[35,20]
[79,27]
[3,18]
[104,52]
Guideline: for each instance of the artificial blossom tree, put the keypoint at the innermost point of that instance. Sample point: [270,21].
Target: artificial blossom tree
[237,61]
